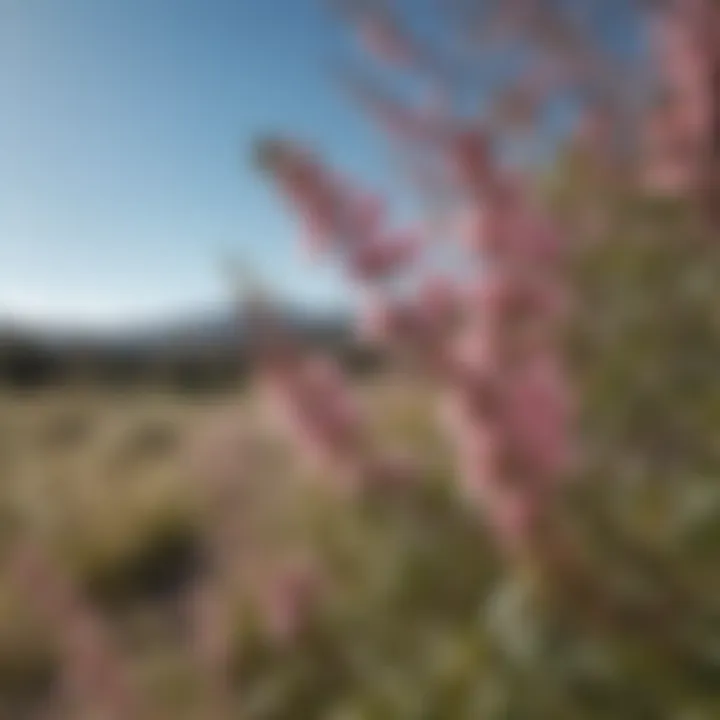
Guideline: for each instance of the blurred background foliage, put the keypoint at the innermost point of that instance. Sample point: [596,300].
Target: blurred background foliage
[238,584]
[415,615]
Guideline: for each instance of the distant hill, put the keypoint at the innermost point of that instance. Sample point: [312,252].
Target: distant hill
[208,347]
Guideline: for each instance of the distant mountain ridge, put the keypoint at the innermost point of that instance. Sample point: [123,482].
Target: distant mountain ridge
[203,349]
[216,329]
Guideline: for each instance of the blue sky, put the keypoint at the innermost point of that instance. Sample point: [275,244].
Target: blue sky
[124,134]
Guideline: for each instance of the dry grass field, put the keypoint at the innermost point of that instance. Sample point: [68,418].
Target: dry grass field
[234,581]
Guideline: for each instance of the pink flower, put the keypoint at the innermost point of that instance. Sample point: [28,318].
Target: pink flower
[290,596]
[679,134]
[383,39]
[385,321]
[515,231]
[473,357]
[479,457]
[514,514]
[536,416]
[93,672]
[505,302]
[439,302]
[472,228]
[470,159]
[377,258]
[316,409]
[368,216]
[394,470]
[490,345]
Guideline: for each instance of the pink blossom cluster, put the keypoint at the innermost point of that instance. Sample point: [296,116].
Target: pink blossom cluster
[508,402]
[492,344]
[241,565]
[681,134]
[310,397]
[383,39]
[289,595]
[94,675]
[336,216]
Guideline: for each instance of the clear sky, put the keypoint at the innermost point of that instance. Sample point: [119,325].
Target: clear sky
[125,127]
[125,135]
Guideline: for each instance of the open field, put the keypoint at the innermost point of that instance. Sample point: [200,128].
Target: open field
[184,538]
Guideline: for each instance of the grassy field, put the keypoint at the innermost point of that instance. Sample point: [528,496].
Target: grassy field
[137,494]
[238,584]
[108,482]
